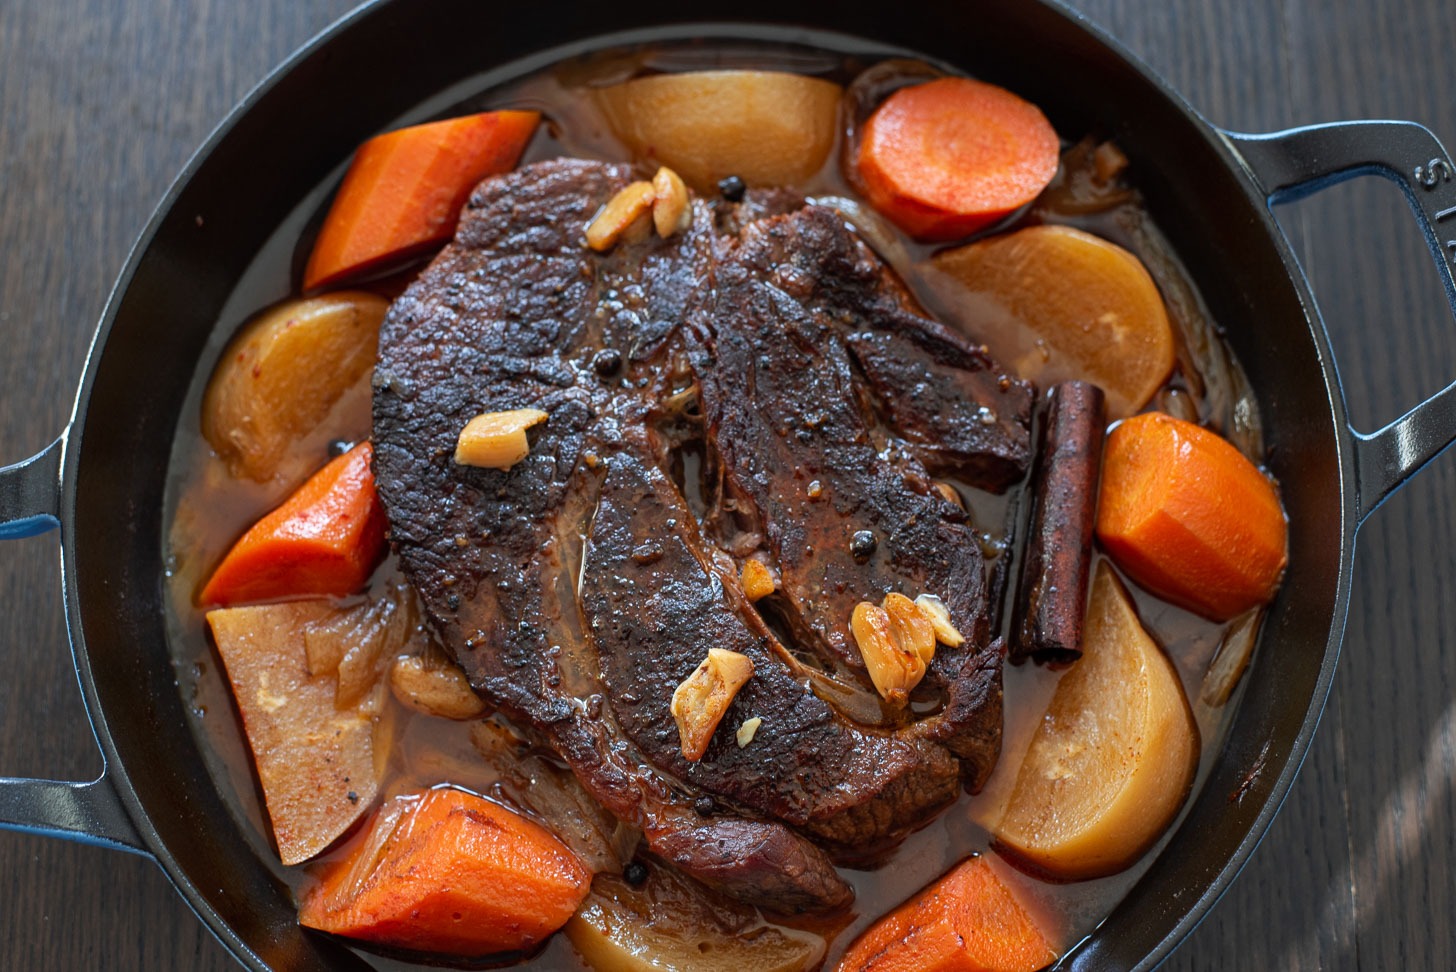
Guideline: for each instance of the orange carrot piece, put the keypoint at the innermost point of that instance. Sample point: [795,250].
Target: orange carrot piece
[945,158]
[404,190]
[1188,517]
[967,921]
[445,871]
[326,538]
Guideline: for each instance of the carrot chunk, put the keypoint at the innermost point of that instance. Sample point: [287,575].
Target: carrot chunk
[945,158]
[403,191]
[326,538]
[1188,517]
[967,921]
[445,871]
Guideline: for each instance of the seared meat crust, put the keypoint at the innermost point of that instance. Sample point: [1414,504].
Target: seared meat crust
[654,602]
[580,586]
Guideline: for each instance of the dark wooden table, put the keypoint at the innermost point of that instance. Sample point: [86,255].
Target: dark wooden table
[101,104]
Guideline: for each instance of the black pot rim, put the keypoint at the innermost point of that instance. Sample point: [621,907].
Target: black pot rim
[1192,913]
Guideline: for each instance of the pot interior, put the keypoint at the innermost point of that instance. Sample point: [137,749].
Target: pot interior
[270,166]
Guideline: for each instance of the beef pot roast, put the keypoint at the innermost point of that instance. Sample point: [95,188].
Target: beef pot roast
[757,385]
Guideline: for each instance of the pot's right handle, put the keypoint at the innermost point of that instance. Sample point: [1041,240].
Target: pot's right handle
[90,812]
[1291,164]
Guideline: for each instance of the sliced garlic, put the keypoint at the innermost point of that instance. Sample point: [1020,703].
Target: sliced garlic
[703,698]
[497,440]
[758,580]
[670,213]
[748,730]
[437,690]
[620,217]
[894,669]
[912,630]
[936,612]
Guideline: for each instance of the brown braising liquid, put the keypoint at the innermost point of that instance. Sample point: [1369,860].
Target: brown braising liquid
[208,509]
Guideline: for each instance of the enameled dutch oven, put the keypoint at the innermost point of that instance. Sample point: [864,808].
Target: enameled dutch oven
[102,481]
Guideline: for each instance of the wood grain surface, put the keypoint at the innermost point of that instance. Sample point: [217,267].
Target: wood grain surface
[102,103]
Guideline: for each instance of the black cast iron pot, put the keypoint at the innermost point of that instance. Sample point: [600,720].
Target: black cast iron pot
[102,481]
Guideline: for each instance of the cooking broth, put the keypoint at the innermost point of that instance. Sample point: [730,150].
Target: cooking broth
[207,509]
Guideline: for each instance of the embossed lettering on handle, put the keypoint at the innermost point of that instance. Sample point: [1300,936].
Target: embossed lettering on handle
[1433,173]
[1429,177]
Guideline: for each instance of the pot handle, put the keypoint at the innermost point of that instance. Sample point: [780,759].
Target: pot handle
[1292,164]
[30,500]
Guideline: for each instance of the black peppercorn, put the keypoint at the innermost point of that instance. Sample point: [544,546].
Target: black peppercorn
[862,545]
[635,874]
[704,806]
[607,361]
[732,188]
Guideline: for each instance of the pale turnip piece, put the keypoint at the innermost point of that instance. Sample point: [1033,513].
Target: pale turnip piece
[317,763]
[768,128]
[668,922]
[1058,304]
[1114,756]
[281,375]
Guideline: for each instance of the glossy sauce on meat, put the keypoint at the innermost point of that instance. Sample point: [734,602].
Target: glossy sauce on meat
[207,510]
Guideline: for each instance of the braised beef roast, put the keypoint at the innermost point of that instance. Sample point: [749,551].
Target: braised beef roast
[758,385]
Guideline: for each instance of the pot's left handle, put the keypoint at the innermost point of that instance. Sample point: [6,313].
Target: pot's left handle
[91,812]
[1291,164]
